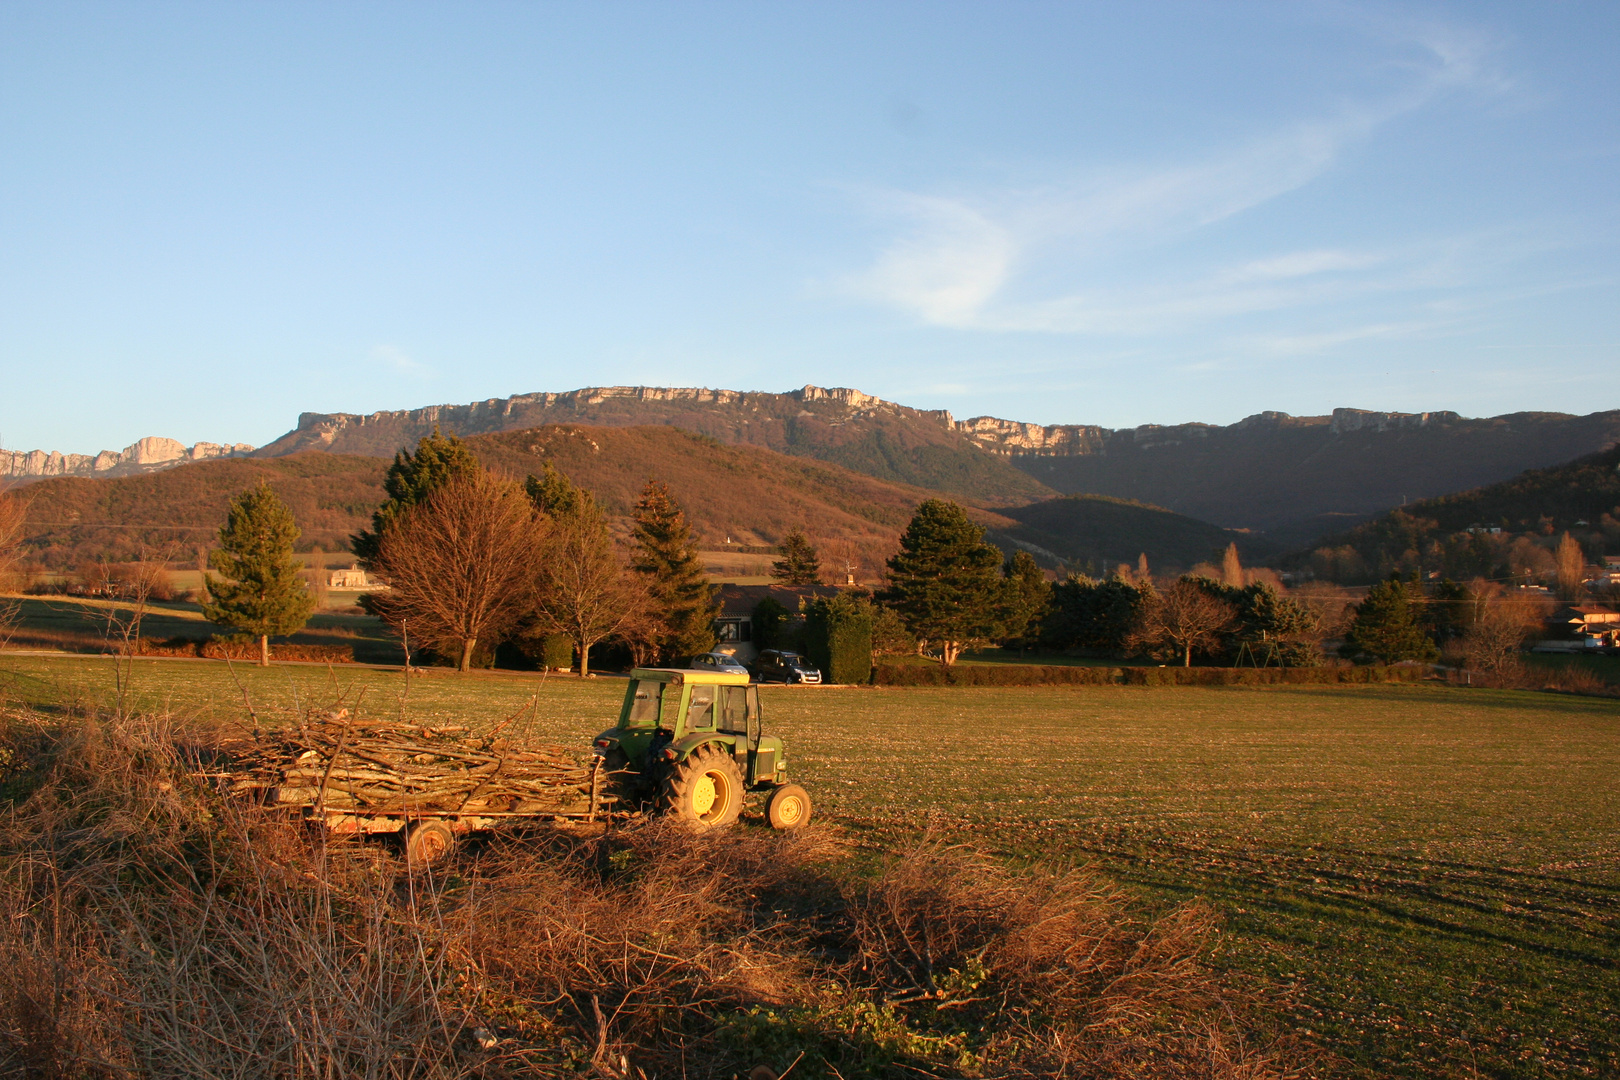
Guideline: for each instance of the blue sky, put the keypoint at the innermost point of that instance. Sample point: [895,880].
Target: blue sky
[215,216]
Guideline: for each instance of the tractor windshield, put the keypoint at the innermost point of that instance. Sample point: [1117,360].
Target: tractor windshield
[645,699]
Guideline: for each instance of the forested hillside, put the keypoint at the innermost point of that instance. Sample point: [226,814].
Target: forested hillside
[72,519]
[746,495]
[1298,477]
[1452,535]
[1094,533]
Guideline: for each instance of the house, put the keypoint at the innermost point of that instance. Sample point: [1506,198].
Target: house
[1593,625]
[734,626]
[352,578]
[1611,570]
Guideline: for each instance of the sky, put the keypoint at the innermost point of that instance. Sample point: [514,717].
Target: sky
[214,217]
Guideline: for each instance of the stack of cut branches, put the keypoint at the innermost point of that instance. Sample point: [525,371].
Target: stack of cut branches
[386,767]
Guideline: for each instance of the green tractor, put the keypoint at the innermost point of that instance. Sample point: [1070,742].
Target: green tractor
[691,742]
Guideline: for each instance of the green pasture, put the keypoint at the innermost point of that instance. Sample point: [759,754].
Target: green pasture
[1427,878]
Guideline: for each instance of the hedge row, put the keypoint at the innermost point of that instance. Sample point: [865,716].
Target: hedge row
[992,675]
[1215,676]
[223,649]
[1032,675]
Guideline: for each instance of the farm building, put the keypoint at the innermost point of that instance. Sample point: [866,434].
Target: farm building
[735,624]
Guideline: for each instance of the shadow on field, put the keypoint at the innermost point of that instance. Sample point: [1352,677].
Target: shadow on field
[150,925]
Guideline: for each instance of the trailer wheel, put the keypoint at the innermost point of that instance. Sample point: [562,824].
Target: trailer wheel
[788,807]
[428,843]
[704,791]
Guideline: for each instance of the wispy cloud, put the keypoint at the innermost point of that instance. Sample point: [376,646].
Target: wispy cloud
[395,358]
[973,260]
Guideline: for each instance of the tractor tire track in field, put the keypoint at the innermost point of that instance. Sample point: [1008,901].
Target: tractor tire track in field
[1356,941]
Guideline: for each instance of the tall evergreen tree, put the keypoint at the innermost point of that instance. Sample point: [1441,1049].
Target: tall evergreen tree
[666,557]
[410,480]
[263,591]
[1028,596]
[1389,625]
[799,564]
[946,580]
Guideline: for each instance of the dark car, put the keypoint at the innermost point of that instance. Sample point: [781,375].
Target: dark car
[774,665]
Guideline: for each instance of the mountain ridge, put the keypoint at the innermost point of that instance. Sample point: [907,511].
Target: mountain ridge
[1292,477]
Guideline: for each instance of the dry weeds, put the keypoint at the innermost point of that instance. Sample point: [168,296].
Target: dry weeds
[154,927]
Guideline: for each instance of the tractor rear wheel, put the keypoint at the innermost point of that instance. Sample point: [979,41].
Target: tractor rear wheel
[788,807]
[705,790]
[428,843]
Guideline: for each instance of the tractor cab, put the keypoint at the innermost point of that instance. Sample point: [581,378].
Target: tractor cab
[694,741]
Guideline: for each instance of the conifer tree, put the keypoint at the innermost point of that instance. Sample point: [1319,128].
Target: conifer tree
[1028,594]
[946,580]
[666,557]
[263,591]
[799,564]
[410,480]
[1389,625]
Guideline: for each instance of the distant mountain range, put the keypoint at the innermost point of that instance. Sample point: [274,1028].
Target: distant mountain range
[1291,478]
[746,496]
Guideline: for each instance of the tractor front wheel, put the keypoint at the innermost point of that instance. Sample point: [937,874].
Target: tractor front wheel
[705,790]
[788,807]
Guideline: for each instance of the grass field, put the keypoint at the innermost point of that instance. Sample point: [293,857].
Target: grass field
[1430,875]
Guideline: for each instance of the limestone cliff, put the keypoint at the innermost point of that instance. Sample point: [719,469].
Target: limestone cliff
[146,455]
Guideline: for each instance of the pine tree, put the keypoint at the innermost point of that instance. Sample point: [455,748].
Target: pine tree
[410,480]
[799,564]
[1028,594]
[946,581]
[554,495]
[1389,625]
[666,557]
[263,591]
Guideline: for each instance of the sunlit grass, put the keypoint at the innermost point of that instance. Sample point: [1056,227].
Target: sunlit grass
[1434,871]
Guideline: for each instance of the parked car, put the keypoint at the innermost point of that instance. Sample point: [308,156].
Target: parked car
[717,661]
[774,665]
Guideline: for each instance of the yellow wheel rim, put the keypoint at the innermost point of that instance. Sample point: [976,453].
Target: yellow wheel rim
[790,811]
[703,795]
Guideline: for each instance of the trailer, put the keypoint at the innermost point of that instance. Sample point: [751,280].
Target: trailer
[424,784]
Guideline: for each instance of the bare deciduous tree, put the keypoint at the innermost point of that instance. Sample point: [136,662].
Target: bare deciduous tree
[584,590]
[1500,626]
[1571,568]
[460,566]
[1183,617]
[139,583]
[13,509]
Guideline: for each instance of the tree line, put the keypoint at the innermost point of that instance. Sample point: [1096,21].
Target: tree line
[472,559]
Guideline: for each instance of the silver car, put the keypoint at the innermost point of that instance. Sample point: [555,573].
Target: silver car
[717,661]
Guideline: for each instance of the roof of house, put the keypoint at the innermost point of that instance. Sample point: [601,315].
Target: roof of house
[739,601]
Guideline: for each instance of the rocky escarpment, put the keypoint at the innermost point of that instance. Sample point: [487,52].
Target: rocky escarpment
[147,455]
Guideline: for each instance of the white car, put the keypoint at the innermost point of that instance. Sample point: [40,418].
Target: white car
[718,661]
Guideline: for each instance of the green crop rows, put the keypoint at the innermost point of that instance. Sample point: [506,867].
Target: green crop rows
[1427,879]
